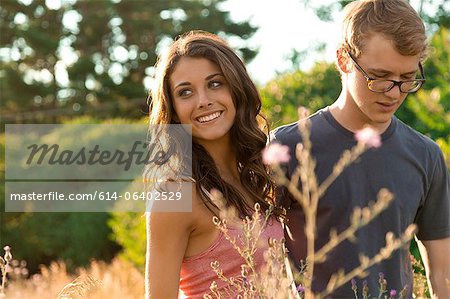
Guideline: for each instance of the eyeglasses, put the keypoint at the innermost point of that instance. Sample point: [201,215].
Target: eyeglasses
[384,85]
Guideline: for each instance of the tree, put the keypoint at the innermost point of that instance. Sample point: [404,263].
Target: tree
[30,33]
[430,106]
[435,13]
[313,89]
[83,57]
[86,57]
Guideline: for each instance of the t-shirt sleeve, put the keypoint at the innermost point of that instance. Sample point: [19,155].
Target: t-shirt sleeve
[433,218]
[282,196]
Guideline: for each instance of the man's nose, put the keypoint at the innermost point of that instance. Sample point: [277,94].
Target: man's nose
[394,93]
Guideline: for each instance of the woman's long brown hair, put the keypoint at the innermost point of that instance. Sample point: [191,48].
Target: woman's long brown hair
[248,138]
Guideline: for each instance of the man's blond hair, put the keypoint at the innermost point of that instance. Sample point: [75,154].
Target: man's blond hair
[394,19]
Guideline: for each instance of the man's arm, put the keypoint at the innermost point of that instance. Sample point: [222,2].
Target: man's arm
[436,258]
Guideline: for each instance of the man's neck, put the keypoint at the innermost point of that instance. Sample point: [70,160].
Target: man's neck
[349,115]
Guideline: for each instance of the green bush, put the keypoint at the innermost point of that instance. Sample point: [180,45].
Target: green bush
[313,89]
[76,238]
[129,231]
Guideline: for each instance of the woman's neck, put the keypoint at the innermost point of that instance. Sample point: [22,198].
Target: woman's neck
[224,157]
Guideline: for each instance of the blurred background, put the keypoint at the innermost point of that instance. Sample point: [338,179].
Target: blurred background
[79,61]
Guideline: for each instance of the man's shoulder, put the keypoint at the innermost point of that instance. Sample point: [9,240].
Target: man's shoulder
[285,132]
[289,133]
[420,140]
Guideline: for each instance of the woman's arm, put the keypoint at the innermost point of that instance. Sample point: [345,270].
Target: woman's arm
[167,239]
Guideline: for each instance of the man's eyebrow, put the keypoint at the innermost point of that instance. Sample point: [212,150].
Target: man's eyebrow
[383,71]
[409,73]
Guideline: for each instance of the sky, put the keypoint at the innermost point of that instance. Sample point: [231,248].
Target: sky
[284,25]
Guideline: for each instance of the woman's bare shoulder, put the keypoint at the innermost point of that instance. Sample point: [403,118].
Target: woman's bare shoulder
[182,221]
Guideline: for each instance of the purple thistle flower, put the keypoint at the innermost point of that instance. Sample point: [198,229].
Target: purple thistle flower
[392,294]
[300,289]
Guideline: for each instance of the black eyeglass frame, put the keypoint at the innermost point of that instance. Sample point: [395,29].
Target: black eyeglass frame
[394,82]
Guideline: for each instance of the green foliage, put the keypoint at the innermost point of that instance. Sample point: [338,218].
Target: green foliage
[2,187]
[129,232]
[313,89]
[112,46]
[428,111]
[35,40]
[435,13]
[42,237]
[76,238]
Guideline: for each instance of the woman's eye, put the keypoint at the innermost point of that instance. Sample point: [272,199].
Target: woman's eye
[184,92]
[215,84]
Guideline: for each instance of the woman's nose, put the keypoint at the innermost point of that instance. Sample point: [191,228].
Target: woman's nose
[203,100]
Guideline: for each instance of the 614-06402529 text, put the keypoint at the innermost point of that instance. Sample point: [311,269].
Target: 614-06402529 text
[106,168]
[98,195]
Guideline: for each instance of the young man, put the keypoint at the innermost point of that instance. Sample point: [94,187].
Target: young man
[379,60]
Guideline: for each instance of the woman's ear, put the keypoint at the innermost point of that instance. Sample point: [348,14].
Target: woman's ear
[343,60]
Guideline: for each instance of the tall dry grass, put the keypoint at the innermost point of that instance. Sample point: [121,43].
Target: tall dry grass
[117,280]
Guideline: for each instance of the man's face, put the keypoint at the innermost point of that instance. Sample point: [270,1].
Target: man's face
[380,60]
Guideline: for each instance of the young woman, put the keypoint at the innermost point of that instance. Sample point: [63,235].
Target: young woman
[203,83]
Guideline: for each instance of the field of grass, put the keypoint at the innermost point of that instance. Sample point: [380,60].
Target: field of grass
[117,280]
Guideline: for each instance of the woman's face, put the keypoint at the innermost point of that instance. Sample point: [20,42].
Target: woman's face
[202,98]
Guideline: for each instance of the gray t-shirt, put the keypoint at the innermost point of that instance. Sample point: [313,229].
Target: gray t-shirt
[408,164]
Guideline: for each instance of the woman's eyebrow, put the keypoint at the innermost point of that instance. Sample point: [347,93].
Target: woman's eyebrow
[185,83]
[181,84]
[213,75]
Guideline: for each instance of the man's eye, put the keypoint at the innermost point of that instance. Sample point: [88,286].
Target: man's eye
[380,76]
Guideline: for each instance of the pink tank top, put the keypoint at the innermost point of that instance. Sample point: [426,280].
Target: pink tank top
[197,275]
